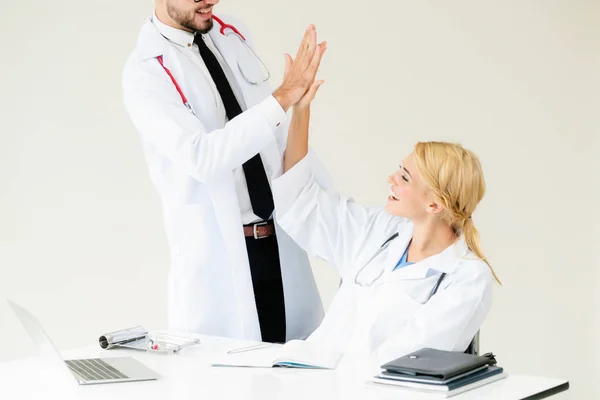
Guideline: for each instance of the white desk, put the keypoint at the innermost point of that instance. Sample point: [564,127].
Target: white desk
[189,375]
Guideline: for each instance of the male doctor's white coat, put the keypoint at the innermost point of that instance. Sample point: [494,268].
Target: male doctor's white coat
[191,160]
[389,313]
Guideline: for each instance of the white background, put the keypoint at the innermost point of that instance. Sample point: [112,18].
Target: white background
[81,238]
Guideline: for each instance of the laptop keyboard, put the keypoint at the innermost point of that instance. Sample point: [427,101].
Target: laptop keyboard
[94,369]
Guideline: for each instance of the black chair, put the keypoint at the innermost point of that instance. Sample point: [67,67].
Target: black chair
[473,346]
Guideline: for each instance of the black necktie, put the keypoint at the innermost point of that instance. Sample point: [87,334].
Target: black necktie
[259,190]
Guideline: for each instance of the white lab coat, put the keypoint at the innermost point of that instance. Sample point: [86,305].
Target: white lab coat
[392,317]
[191,161]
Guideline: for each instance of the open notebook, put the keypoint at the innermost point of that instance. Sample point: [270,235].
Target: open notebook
[293,354]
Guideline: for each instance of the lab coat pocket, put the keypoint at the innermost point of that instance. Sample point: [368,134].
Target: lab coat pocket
[419,290]
[406,292]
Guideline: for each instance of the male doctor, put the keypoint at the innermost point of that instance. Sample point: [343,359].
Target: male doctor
[213,133]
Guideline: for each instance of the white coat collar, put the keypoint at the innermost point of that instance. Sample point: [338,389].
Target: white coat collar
[154,40]
[447,261]
[177,36]
[151,43]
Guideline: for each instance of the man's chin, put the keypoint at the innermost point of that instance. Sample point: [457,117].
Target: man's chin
[200,27]
[204,26]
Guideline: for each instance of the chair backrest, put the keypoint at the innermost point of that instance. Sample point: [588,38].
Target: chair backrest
[473,346]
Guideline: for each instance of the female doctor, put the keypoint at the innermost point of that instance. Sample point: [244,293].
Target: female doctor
[413,273]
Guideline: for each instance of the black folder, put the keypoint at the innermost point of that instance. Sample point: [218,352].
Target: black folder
[437,364]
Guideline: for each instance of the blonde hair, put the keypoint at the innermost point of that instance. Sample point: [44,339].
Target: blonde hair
[455,176]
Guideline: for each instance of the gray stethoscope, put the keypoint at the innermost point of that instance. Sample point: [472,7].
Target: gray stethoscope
[232,30]
[378,252]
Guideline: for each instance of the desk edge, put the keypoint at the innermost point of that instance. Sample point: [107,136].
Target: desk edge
[563,387]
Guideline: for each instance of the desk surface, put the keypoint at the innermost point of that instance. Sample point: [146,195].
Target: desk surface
[188,375]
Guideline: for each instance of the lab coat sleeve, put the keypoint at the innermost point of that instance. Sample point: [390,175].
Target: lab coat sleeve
[325,223]
[448,321]
[157,111]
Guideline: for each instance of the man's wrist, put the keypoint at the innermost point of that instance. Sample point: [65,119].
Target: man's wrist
[272,111]
[282,97]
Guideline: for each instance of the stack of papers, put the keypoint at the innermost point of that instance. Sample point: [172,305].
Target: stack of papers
[446,388]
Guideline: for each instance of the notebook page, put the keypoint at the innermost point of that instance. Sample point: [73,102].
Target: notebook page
[301,354]
[260,358]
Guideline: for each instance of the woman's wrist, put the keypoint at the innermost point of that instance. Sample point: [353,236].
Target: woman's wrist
[301,111]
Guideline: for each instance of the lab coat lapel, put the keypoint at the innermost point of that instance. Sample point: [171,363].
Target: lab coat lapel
[413,271]
[394,253]
[447,261]
[225,46]
[150,43]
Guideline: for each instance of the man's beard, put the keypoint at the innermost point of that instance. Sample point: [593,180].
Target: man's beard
[187,21]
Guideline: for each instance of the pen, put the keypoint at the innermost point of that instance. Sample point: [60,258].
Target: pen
[250,348]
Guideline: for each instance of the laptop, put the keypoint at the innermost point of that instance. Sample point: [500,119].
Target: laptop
[86,371]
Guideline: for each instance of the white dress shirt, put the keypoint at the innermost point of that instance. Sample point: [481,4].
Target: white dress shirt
[183,41]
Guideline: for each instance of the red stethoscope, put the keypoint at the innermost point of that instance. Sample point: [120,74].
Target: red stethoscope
[226,30]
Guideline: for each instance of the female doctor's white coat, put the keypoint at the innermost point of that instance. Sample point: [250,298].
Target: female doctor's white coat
[191,160]
[391,317]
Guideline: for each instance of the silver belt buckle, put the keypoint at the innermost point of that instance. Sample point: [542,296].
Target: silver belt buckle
[255,229]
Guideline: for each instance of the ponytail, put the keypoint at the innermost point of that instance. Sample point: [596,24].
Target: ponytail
[472,238]
[455,176]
